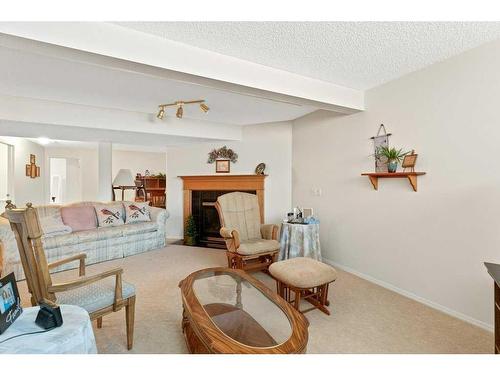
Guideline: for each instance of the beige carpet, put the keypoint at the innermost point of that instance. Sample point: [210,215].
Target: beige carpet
[365,318]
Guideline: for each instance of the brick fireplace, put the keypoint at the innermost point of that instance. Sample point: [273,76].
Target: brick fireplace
[200,194]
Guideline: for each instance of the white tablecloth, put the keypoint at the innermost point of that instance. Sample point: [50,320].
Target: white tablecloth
[75,336]
[299,240]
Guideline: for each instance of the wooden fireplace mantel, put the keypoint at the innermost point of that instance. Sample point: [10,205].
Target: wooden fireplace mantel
[230,182]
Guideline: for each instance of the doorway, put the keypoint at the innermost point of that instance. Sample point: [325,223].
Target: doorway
[6,173]
[65,180]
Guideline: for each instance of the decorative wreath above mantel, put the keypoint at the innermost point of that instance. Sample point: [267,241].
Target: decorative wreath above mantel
[222,153]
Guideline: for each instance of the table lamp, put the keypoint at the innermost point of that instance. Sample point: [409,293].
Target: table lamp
[123,180]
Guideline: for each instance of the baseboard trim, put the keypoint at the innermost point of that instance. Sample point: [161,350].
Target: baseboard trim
[174,238]
[434,305]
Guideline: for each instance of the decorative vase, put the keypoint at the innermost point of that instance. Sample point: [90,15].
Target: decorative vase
[189,241]
[392,166]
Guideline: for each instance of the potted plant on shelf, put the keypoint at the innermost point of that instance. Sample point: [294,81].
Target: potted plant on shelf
[191,233]
[393,156]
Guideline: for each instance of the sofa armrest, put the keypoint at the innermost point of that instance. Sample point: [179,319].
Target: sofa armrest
[232,238]
[9,244]
[269,231]
[160,216]
[5,228]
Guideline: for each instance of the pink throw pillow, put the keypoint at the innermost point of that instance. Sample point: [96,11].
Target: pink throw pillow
[79,218]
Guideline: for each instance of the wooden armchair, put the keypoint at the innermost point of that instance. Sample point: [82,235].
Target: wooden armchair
[251,245]
[99,294]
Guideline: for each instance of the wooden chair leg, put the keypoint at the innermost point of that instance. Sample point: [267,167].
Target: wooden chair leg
[99,322]
[129,317]
[230,263]
[297,299]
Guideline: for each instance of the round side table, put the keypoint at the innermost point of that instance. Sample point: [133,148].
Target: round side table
[75,336]
[299,240]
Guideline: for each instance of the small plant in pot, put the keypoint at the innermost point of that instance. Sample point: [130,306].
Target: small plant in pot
[191,232]
[393,157]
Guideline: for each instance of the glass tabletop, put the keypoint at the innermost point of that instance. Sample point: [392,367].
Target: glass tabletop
[241,311]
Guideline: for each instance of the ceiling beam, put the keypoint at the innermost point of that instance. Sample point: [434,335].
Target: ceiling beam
[136,125]
[117,47]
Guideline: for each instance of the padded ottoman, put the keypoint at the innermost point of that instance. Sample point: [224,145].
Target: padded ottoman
[307,278]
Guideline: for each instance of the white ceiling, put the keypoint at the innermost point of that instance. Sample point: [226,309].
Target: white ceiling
[31,75]
[359,55]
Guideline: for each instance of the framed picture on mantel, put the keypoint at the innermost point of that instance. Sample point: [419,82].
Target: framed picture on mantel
[222,166]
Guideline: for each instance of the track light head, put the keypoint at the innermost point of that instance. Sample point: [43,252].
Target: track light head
[204,107]
[161,113]
[180,112]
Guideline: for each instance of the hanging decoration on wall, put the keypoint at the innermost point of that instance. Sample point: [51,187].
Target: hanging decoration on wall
[223,153]
[32,170]
[380,140]
[222,158]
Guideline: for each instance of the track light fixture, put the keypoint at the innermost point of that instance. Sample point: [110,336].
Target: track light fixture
[204,107]
[180,109]
[161,113]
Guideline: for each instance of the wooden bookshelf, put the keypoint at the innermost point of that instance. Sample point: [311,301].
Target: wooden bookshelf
[155,189]
[411,176]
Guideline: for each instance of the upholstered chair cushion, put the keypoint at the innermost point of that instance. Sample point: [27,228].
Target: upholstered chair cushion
[95,296]
[257,246]
[69,239]
[241,211]
[303,272]
[139,228]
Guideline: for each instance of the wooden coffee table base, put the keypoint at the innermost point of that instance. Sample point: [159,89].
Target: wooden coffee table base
[240,327]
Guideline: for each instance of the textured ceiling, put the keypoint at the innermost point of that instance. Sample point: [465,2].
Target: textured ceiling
[359,55]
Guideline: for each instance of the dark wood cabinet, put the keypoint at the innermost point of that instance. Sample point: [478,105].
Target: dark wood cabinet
[494,271]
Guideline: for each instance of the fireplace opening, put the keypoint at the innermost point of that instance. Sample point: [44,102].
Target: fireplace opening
[206,216]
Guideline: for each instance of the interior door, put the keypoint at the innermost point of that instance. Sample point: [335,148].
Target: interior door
[65,180]
[6,173]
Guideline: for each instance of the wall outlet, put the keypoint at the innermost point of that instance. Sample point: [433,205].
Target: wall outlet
[317,192]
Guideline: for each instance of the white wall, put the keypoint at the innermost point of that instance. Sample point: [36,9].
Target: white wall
[138,162]
[430,244]
[27,189]
[267,143]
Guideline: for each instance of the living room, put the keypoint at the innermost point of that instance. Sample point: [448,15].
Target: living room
[199,187]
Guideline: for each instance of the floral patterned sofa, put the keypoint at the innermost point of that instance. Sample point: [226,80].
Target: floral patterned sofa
[100,244]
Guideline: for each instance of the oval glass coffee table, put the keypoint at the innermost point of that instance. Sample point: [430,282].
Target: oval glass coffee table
[228,311]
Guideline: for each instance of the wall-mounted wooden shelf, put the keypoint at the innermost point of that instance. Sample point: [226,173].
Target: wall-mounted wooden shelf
[411,176]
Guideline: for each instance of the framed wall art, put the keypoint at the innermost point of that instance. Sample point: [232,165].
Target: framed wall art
[409,161]
[222,166]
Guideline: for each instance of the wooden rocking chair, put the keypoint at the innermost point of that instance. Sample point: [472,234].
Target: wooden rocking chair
[251,245]
[99,294]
